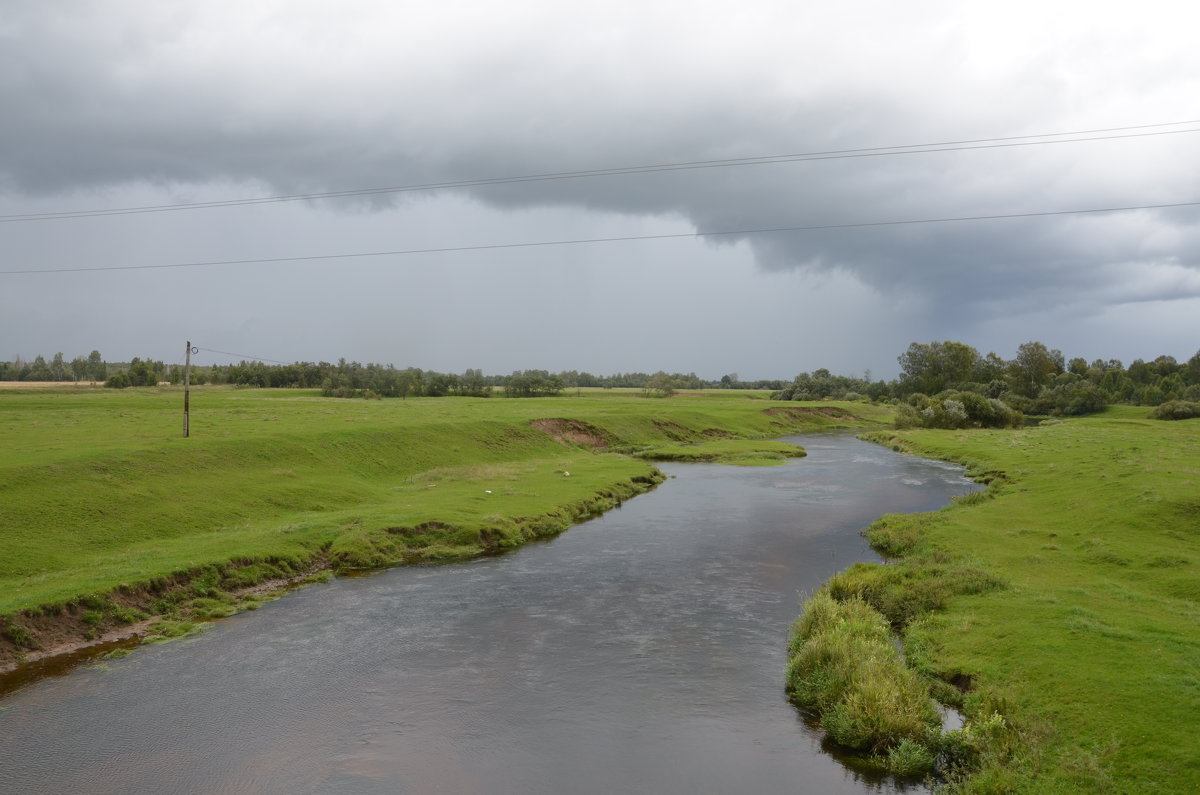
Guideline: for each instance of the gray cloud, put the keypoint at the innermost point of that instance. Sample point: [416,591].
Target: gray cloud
[108,104]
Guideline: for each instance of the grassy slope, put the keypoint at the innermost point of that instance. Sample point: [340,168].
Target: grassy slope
[1095,645]
[98,488]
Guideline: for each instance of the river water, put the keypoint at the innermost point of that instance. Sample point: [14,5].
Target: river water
[641,652]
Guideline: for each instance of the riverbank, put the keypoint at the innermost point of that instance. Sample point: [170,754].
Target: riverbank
[109,517]
[1060,609]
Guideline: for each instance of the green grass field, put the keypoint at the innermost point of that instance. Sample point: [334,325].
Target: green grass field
[98,489]
[1091,649]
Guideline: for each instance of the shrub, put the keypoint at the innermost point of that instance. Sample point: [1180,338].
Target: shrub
[1176,410]
[1072,398]
[957,410]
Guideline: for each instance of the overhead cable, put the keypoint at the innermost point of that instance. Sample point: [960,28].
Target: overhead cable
[580,241]
[1104,134]
[244,356]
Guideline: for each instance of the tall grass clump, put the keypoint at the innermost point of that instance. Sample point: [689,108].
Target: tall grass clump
[845,669]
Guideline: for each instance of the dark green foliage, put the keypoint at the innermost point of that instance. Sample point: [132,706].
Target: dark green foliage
[118,381]
[937,366]
[533,383]
[820,384]
[957,410]
[1034,367]
[1176,410]
[660,385]
[1071,395]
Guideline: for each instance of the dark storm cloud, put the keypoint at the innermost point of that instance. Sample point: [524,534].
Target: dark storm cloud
[299,97]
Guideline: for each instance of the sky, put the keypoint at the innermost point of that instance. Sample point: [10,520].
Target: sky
[1068,107]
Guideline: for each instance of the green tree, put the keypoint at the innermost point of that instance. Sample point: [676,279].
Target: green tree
[97,369]
[659,385]
[935,367]
[473,384]
[58,368]
[1034,367]
[38,371]
[1191,370]
[144,372]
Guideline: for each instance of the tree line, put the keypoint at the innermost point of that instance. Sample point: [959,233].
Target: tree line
[945,383]
[354,379]
[950,384]
[91,368]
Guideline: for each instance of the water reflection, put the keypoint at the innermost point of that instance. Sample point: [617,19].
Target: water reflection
[640,652]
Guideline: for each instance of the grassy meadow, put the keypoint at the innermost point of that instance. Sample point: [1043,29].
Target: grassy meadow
[1082,624]
[101,498]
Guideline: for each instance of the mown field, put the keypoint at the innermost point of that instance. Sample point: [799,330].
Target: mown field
[1090,646]
[99,491]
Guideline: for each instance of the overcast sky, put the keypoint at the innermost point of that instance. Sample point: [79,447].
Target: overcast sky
[110,105]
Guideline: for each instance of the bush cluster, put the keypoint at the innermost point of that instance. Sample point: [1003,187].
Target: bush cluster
[1176,410]
[956,409]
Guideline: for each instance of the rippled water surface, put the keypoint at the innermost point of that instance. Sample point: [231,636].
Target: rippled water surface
[642,652]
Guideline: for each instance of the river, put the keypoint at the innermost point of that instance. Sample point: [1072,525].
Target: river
[640,652]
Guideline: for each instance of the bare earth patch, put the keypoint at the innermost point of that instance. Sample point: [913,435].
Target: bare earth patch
[569,432]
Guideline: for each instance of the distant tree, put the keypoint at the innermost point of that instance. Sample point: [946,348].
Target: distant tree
[58,368]
[660,385]
[1033,368]
[1070,395]
[144,372]
[440,384]
[1165,366]
[988,369]
[38,371]
[532,383]
[1140,372]
[472,384]
[1191,370]
[97,369]
[79,368]
[936,366]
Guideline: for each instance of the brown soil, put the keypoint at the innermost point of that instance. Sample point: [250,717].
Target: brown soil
[64,630]
[570,432]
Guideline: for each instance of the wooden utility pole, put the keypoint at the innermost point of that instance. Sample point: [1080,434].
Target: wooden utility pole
[187,385]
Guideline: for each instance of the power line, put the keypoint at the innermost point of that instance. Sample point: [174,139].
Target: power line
[243,356]
[580,241]
[836,154]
